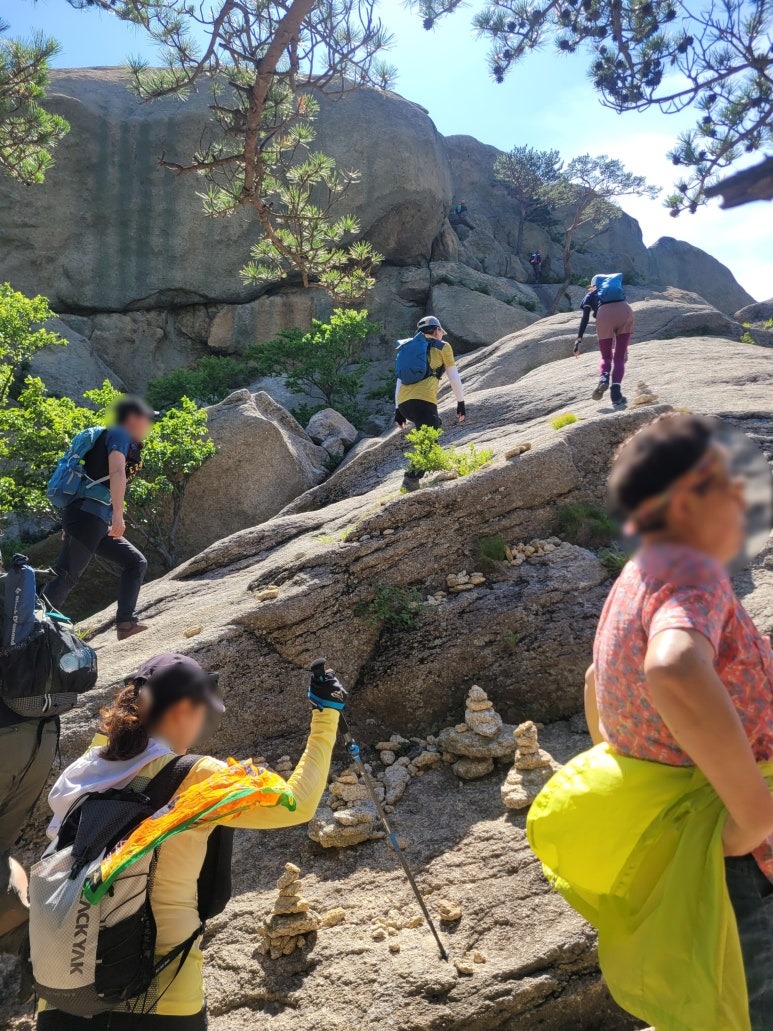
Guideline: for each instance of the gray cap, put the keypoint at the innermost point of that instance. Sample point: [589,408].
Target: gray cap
[429,322]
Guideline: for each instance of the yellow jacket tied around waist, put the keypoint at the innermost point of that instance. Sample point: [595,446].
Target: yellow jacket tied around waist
[636,848]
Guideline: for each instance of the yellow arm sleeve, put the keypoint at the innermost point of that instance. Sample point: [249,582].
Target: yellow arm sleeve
[308,780]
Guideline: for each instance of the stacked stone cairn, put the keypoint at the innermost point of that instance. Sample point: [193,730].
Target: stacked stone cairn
[532,769]
[472,747]
[292,919]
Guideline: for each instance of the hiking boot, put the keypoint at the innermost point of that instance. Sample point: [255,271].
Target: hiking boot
[616,397]
[601,388]
[129,628]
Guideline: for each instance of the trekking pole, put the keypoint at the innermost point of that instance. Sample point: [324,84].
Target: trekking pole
[318,672]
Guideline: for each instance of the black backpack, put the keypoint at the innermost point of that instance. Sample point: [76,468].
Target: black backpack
[89,959]
[43,674]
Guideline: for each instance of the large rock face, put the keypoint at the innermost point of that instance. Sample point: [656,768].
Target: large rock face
[111,230]
[264,459]
[676,263]
[122,249]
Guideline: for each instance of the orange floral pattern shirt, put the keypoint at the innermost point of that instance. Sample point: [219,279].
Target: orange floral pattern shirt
[666,587]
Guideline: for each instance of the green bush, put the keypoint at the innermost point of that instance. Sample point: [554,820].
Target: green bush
[394,607]
[210,380]
[490,550]
[325,363]
[427,454]
[613,559]
[768,324]
[747,338]
[563,420]
[587,525]
[526,302]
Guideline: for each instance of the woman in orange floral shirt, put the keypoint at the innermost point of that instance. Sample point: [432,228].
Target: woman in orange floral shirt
[681,675]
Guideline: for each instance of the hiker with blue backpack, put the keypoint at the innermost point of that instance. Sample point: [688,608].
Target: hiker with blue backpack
[89,487]
[420,363]
[605,300]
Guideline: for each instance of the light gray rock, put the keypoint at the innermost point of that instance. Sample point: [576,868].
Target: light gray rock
[332,431]
[472,769]
[759,312]
[661,316]
[264,459]
[69,371]
[396,780]
[238,326]
[676,263]
[474,319]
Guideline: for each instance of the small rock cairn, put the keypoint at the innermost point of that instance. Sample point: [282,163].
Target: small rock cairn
[292,919]
[473,746]
[532,769]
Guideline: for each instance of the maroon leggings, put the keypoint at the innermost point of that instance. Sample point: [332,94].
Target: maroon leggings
[614,351]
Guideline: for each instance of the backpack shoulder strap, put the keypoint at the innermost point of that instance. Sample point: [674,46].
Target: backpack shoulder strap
[162,787]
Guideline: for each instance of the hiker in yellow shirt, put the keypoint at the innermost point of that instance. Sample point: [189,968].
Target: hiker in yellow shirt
[416,398]
[156,717]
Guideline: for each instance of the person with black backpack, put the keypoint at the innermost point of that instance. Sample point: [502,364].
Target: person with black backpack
[89,486]
[419,366]
[44,667]
[135,962]
[535,260]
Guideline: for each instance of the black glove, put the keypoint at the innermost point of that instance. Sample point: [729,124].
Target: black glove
[327,692]
[400,418]
[460,409]
[577,345]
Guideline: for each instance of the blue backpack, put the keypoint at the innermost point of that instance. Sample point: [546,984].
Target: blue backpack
[70,480]
[609,287]
[412,358]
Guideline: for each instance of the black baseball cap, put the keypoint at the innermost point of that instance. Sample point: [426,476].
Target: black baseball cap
[171,677]
[131,405]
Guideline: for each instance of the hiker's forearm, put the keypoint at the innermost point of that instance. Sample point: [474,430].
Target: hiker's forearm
[699,712]
[456,382]
[591,706]
[583,323]
[117,467]
[398,385]
[308,780]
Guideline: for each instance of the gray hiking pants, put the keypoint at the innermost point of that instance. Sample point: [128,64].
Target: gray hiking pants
[27,752]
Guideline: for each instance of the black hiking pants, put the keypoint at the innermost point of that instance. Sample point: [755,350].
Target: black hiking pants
[420,413]
[85,535]
[54,1020]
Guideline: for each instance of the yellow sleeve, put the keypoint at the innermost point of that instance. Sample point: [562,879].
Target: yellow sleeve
[448,356]
[308,780]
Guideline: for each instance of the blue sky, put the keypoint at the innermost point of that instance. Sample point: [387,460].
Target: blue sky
[546,102]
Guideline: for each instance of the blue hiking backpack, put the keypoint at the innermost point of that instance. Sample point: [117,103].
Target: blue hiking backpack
[70,480]
[412,359]
[609,287]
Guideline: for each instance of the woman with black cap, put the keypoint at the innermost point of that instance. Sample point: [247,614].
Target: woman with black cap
[160,714]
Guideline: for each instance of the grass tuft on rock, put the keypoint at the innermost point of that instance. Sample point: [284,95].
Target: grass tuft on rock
[585,524]
[490,550]
[395,607]
[427,454]
[566,419]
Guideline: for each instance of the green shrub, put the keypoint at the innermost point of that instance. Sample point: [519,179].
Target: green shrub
[563,420]
[210,380]
[613,559]
[587,525]
[526,302]
[747,338]
[489,550]
[427,455]
[768,324]
[395,607]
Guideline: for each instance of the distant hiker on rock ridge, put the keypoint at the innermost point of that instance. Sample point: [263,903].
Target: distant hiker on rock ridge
[419,365]
[535,260]
[89,486]
[460,215]
[605,300]
[93,948]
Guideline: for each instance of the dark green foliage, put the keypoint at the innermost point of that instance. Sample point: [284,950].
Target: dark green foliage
[396,608]
[664,54]
[210,380]
[613,559]
[28,133]
[488,551]
[587,525]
